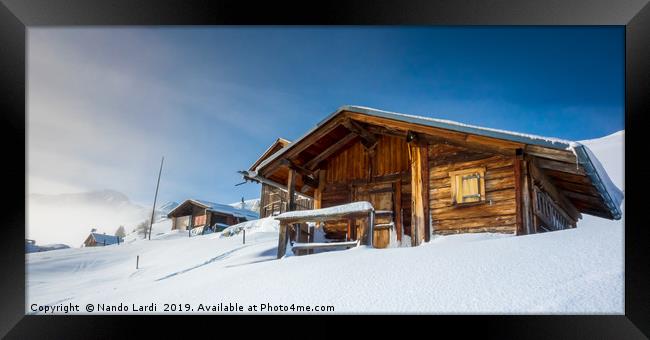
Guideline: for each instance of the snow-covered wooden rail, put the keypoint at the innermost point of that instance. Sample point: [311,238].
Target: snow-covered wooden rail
[336,213]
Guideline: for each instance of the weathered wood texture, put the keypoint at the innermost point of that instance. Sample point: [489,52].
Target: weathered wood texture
[417,195]
[496,214]
[354,174]
[390,157]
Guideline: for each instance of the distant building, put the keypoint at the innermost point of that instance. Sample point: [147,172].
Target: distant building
[99,240]
[195,213]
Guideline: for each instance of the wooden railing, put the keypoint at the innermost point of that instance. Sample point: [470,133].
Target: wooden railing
[550,214]
[279,206]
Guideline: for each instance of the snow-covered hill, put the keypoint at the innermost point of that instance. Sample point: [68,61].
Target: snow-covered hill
[68,218]
[572,271]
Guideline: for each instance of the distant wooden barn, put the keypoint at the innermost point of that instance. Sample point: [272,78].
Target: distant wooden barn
[95,239]
[432,176]
[194,213]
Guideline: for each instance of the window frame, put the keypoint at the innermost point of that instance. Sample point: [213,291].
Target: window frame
[453,175]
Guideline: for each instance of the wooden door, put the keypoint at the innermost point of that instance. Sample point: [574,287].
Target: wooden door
[381,198]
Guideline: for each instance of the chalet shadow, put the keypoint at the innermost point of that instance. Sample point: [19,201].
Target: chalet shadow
[427,176]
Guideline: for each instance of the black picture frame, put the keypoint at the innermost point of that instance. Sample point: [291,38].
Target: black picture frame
[18,15]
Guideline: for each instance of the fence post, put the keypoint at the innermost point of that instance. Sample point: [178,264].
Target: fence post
[371,227]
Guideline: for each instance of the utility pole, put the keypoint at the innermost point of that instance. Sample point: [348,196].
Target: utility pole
[153,211]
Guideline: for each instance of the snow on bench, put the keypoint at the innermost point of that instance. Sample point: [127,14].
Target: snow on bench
[324,214]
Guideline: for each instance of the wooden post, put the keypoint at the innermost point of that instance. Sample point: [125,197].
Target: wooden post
[312,230]
[282,240]
[519,229]
[398,209]
[318,193]
[371,227]
[526,206]
[291,190]
[137,261]
[348,235]
[244,240]
[155,197]
[424,153]
[417,205]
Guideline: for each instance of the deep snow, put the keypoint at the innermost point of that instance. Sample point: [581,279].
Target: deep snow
[571,271]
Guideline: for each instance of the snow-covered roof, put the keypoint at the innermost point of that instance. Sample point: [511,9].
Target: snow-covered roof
[610,194]
[350,208]
[550,142]
[221,208]
[104,239]
[269,151]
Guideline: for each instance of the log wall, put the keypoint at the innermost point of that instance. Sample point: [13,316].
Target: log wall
[496,214]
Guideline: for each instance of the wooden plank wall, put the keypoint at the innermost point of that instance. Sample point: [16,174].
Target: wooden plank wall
[354,166]
[390,157]
[496,214]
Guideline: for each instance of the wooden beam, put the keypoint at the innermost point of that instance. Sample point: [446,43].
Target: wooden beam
[518,197]
[291,190]
[332,149]
[486,148]
[398,209]
[318,192]
[560,166]
[282,239]
[301,170]
[565,156]
[526,200]
[368,139]
[417,205]
[589,199]
[308,176]
[424,152]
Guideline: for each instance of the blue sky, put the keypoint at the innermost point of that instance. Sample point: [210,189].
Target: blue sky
[104,104]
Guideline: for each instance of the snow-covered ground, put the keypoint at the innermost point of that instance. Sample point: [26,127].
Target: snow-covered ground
[572,271]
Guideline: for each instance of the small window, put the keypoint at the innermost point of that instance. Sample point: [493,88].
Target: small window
[467,186]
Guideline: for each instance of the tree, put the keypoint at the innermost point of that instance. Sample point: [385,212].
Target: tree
[120,232]
[142,228]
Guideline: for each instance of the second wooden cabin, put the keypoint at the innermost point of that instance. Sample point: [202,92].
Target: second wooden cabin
[436,176]
[194,213]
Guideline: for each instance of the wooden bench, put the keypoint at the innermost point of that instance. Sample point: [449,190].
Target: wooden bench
[325,245]
[342,212]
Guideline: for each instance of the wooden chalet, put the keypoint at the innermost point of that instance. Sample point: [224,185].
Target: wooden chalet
[195,213]
[437,177]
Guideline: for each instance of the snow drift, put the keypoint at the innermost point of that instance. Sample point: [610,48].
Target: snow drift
[572,271]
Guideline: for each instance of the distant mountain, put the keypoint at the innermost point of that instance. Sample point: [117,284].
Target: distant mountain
[252,205]
[68,218]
